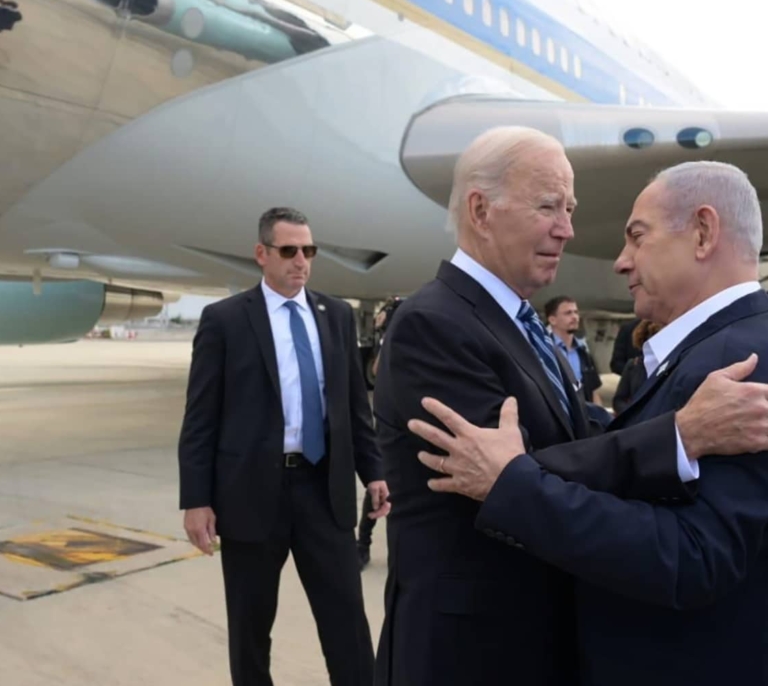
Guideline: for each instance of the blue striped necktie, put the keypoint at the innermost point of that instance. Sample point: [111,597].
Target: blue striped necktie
[312,427]
[545,350]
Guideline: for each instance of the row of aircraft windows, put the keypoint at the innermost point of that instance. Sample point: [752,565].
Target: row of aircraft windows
[522,35]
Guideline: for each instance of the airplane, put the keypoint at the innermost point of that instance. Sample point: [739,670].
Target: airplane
[142,139]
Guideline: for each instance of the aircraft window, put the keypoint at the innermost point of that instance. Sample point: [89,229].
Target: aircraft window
[639,138]
[694,138]
[487,13]
[504,21]
[551,50]
[577,66]
[520,33]
[469,6]
[564,58]
[536,41]
[622,94]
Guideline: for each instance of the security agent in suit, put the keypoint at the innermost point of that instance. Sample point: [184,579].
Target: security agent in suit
[665,594]
[276,425]
[470,337]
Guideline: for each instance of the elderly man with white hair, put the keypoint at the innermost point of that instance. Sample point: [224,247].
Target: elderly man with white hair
[665,594]
[462,607]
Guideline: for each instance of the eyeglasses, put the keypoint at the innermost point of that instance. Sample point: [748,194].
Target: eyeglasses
[288,252]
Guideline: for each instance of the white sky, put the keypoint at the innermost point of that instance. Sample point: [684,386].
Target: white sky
[721,47]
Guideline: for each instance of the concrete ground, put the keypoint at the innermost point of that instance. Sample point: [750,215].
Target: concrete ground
[88,431]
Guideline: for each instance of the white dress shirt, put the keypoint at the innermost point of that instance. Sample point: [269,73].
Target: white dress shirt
[658,348]
[287,362]
[510,302]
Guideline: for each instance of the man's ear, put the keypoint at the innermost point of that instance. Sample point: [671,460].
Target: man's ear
[707,231]
[478,210]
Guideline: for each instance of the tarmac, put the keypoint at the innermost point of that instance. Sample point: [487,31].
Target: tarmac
[98,584]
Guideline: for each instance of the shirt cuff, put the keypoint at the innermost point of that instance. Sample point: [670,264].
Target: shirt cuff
[688,470]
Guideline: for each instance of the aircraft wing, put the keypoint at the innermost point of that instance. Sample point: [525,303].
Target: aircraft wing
[614,151]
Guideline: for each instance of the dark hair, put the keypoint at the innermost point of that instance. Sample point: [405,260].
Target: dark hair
[550,309]
[268,220]
[643,331]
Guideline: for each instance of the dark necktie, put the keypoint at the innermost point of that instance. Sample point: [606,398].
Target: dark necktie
[545,350]
[312,426]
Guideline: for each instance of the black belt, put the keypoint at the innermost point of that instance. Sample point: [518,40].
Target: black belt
[294,460]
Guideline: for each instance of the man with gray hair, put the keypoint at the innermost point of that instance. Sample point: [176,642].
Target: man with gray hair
[665,594]
[462,608]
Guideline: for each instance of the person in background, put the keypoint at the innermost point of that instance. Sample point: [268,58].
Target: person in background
[277,423]
[562,315]
[623,349]
[367,522]
[634,376]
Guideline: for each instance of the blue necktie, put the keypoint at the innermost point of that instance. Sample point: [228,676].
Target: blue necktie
[545,350]
[312,427]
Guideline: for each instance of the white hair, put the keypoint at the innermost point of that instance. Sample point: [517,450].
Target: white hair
[486,164]
[724,187]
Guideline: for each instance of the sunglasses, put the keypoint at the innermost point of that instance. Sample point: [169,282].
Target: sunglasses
[288,252]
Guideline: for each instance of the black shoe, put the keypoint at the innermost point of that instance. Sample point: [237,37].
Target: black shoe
[363,555]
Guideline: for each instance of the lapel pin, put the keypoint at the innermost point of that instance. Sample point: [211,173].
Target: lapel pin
[661,368]
[321,307]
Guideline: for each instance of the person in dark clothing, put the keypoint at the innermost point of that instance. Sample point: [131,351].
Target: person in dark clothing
[277,425]
[623,349]
[633,377]
[367,523]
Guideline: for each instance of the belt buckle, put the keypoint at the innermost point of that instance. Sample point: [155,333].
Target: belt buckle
[293,460]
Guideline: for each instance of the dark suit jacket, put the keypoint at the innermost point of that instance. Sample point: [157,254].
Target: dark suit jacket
[462,608]
[669,595]
[231,445]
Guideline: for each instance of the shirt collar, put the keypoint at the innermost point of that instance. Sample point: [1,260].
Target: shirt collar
[561,343]
[507,299]
[657,348]
[275,301]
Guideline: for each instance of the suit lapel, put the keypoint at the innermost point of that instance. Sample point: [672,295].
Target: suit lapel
[505,330]
[258,316]
[747,306]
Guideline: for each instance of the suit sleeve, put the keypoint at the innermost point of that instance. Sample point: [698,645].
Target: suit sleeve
[200,428]
[427,355]
[367,457]
[636,462]
[678,557]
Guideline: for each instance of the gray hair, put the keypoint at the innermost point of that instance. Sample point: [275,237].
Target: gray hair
[724,187]
[486,164]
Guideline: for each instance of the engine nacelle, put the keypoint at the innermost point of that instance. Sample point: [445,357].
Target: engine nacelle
[67,310]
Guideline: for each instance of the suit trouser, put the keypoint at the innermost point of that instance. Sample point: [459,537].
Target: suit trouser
[327,563]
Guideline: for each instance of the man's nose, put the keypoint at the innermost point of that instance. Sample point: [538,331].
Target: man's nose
[564,229]
[623,262]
